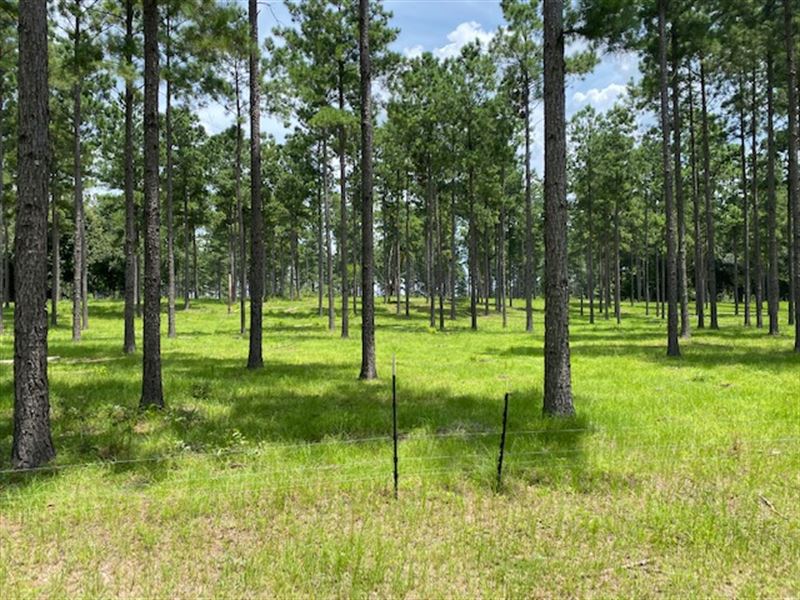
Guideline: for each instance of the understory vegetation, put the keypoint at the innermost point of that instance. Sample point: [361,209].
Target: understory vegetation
[678,477]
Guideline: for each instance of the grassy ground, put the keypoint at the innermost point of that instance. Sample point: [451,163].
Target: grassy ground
[677,477]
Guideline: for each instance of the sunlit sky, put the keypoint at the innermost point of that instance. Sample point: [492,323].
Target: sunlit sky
[443,27]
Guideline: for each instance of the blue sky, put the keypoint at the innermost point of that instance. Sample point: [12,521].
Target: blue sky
[442,27]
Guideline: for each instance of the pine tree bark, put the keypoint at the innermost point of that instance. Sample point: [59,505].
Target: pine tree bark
[368,367]
[231,264]
[255,359]
[241,236]
[745,208]
[343,233]
[440,268]
[617,268]
[84,272]
[557,378]
[453,253]
[735,276]
[398,259]
[772,224]
[430,275]
[152,391]
[171,292]
[756,220]
[32,443]
[672,258]
[659,279]
[591,241]
[794,176]
[328,249]
[78,245]
[792,272]
[320,249]
[188,242]
[699,279]
[129,341]
[710,250]
[409,262]
[606,281]
[137,288]
[487,288]
[502,270]
[55,292]
[3,290]
[473,259]
[683,279]
[647,257]
[528,285]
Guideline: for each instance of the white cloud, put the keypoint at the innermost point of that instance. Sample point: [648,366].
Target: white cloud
[601,97]
[461,36]
[626,62]
[414,51]
[214,118]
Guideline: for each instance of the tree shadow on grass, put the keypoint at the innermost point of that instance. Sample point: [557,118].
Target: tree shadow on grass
[699,354]
[214,405]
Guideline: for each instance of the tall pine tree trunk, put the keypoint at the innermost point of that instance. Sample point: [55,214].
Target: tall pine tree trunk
[772,223]
[453,253]
[794,176]
[617,268]
[756,220]
[3,290]
[699,269]
[440,268]
[368,368]
[187,242]
[528,284]
[591,241]
[792,272]
[78,245]
[32,444]
[735,276]
[343,233]
[710,250]
[745,208]
[84,272]
[683,279]
[255,359]
[409,263]
[398,259]
[473,249]
[55,293]
[557,378]
[137,256]
[320,250]
[241,236]
[646,257]
[129,342]
[152,391]
[672,258]
[430,276]
[501,250]
[326,197]
[171,293]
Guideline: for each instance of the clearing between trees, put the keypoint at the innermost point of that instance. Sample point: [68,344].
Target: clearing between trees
[677,477]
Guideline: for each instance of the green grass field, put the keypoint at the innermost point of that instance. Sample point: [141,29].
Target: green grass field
[677,477]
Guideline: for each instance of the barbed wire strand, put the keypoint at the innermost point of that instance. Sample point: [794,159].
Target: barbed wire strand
[171,486]
[411,437]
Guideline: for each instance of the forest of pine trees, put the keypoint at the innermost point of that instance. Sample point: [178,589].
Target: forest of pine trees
[682,195]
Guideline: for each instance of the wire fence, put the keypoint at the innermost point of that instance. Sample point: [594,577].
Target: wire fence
[421,470]
[597,429]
